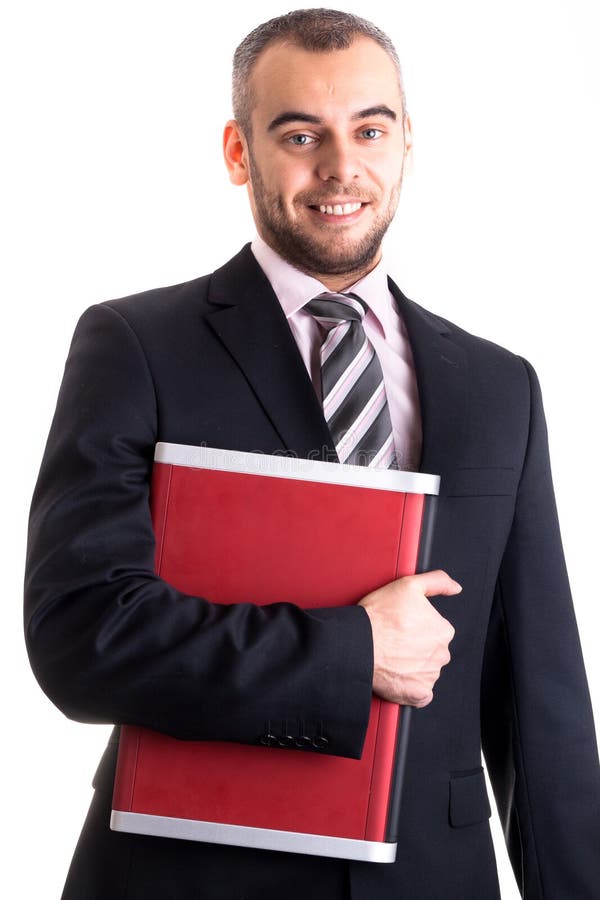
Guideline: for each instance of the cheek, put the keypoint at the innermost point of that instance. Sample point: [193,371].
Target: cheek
[291,173]
[386,169]
[292,180]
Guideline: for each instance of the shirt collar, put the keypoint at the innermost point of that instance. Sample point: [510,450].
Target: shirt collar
[294,288]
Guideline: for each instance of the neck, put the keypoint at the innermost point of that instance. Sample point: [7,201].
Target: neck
[339,283]
[333,282]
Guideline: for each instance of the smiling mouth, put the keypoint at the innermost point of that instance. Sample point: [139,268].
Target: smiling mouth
[338,209]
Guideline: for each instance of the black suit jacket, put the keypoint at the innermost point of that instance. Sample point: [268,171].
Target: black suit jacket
[214,361]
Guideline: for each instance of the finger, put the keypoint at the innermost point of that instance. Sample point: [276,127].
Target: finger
[437,582]
[424,701]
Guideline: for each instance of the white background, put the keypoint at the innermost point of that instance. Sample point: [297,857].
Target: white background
[112,182]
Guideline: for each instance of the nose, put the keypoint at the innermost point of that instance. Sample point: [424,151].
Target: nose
[338,160]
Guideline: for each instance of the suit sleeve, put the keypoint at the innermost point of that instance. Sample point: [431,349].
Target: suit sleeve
[537,726]
[111,642]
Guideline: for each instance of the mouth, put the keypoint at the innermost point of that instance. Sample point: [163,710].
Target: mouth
[339,212]
[339,209]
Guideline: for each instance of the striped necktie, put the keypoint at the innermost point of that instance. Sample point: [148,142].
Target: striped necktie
[353,394]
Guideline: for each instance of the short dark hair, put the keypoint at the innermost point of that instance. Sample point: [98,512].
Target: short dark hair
[317,30]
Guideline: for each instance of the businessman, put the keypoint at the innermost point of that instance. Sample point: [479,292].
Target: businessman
[301,344]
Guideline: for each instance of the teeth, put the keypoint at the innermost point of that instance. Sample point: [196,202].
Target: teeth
[339,210]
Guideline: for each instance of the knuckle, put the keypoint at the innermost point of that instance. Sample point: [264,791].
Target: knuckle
[446,632]
[424,701]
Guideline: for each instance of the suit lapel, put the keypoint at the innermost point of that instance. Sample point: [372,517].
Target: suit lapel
[441,370]
[248,319]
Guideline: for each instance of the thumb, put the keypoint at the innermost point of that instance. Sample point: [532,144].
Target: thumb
[438,582]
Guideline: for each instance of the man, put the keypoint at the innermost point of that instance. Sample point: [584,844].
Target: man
[234,360]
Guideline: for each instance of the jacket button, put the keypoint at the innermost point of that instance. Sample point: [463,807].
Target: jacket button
[269,740]
[303,741]
[287,740]
[320,742]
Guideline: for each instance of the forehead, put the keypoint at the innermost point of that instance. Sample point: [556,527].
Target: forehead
[330,84]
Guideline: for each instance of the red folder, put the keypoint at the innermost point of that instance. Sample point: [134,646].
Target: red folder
[222,525]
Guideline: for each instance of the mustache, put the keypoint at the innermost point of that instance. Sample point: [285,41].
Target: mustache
[310,198]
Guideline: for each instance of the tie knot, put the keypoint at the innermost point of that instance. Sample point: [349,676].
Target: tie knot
[330,309]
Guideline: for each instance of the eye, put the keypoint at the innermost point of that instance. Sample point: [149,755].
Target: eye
[371,134]
[301,140]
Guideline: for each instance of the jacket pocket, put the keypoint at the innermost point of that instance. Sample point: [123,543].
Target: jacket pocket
[480,482]
[469,802]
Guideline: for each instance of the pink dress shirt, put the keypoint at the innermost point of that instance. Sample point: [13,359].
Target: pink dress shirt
[383,326]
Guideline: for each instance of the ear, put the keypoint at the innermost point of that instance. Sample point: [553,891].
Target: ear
[234,150]
[408,145]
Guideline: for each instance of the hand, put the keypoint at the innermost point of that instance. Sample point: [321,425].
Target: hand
[410,637]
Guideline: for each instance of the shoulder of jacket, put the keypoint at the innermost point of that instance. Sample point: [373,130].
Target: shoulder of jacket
[160,300]
[477,347]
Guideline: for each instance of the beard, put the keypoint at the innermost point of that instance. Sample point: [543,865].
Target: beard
[306,252]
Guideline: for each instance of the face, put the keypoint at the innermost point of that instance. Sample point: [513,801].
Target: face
[325,160]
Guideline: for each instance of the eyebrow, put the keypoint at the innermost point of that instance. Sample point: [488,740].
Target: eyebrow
[293,115]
